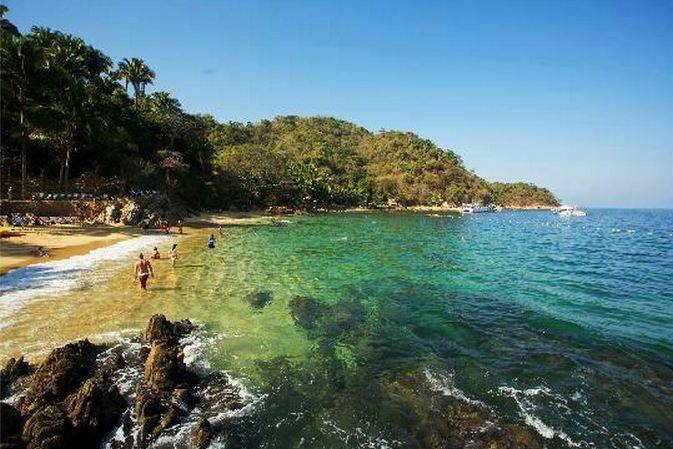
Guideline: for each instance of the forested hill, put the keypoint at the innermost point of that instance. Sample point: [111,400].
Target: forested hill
[73,120]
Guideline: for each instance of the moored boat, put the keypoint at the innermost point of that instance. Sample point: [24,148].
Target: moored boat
[475,208]
[569,211]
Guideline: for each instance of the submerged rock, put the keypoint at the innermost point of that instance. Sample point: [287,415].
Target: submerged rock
[260,299]
[438,421]
[509,436]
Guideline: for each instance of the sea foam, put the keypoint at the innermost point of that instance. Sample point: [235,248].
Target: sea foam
[21,285]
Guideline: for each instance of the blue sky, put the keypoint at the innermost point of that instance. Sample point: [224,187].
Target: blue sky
[575,96]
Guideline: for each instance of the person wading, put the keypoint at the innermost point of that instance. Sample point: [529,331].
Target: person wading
[143,270]
[173,253]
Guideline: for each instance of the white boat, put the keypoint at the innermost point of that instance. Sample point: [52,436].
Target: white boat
[474,208]
[569,211]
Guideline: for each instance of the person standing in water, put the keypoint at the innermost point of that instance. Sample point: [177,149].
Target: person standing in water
[173,253]
[155,253]
[143,270]
[180,225]
[211,241]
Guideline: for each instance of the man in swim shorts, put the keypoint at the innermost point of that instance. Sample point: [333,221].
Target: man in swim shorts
[142,270]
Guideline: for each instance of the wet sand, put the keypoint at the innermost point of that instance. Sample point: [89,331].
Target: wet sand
[18,248]
[61,241]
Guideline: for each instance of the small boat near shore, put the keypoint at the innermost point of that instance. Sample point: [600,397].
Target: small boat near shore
[569,211]
[475,208]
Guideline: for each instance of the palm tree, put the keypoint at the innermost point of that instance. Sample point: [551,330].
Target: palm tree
[163,102]
[75,90]
[137,73]
[22,60]
[5,24]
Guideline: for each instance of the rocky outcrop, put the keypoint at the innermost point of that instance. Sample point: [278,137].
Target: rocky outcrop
[94,409]
[60,374]
[164,390]
[72,400]
[450,422]
[13,370]
[10,427]
[48,428]
[203,434]
[130,213]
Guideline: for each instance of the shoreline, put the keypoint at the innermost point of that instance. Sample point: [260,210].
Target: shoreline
[18,249]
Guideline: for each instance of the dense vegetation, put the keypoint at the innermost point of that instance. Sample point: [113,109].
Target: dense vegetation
[69,123]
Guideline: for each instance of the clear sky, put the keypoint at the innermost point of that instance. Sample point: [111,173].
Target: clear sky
[575,96]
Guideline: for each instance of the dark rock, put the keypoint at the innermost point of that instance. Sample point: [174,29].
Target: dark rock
[154,413]
[507,437]
[95,408]
[159,329]
[203,434]
[217,393]
[61,373]
[10,426]
[164,367]
[459,420]
[11,372]
[48,428]
[183,398]
[143,352]
[184,327]
[110,365]
[162,393]
[260,299]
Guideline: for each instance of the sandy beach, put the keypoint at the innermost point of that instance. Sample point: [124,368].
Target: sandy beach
[18,246]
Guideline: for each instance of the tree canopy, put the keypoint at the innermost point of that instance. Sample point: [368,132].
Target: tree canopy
[68,120]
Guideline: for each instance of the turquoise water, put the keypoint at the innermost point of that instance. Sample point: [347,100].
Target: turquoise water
[347,326]
[565,324]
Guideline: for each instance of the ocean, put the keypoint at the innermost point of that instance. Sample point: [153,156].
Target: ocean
[347,326]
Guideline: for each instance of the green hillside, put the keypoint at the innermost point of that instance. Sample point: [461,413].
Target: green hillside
[74,121]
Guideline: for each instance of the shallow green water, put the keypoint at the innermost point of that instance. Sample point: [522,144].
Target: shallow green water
[565,325]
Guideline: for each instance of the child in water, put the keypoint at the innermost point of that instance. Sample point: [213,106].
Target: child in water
[155,254]
[211,241]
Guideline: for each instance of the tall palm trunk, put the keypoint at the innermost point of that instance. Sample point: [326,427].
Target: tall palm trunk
[66,170]
[24,156]
[136,90]
[22,124]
